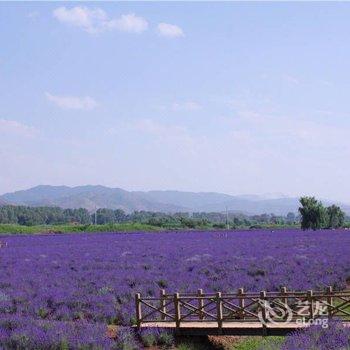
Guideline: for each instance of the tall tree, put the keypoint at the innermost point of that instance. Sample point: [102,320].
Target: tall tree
[313,213]
[335,217]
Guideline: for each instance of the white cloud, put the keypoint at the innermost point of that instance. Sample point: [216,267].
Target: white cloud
[175,137]
[170,30]
[155,128]
[293,131]
[90,20]
[96,20]
[72,102]
[13,127]
[186,106]
[129,23]
[291,79]
[33,14]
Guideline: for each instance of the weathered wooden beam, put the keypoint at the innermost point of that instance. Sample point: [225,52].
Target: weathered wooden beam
[177,309]
[311,303]
[162,304]
[329,301]
[219,309]
[200,304]
[263,311]
[138,310]
[241,303]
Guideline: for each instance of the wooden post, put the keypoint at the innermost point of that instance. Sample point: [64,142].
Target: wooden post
[263,311]
[177,309]
[219,315]
[284,299]
[241,313]
[138,310]
[311,303]
[162,303]
[263,305]
[200,304]
[330,301]
[284,292]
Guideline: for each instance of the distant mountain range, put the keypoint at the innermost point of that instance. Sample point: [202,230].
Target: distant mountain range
[91,197]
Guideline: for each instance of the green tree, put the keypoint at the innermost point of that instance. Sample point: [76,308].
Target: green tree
[313,213]
[335,217]
[290,217]
[119,215]
[105,216]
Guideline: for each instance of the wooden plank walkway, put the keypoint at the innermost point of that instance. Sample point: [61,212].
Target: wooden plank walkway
[228,328]
[242,313]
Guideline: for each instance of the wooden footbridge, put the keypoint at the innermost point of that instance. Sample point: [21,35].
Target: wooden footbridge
[242,313]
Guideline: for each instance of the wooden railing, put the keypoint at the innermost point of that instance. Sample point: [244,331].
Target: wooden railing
[264,307]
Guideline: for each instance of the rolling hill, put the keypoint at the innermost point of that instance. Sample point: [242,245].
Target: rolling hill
[92,197]
[89,197]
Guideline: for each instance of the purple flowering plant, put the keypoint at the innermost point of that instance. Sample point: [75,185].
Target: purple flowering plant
[53,286]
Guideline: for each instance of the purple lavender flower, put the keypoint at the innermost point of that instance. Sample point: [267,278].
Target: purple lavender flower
[335,337]
[63,284]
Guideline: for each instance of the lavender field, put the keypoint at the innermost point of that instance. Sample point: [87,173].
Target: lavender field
[65,284]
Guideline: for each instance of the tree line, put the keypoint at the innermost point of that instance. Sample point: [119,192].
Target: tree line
[30,216]
[316,216]
[312,215]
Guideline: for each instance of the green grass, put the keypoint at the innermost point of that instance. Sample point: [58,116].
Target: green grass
[258,343]
[123,227]
[188,346]
[194,344]
[126,227]
[247,343]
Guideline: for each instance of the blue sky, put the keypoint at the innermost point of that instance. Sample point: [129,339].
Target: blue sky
[231,97]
